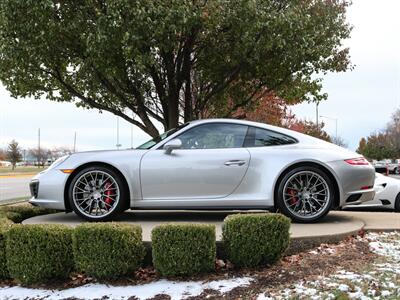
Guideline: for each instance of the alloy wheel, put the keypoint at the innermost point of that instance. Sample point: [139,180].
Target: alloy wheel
[306,194]
[96,194]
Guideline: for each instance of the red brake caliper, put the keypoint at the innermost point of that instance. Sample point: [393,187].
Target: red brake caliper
[108,192]
[293,199]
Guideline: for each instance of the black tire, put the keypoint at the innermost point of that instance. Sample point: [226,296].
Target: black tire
[279,195]
[396,171]
[117,207]
[397,203]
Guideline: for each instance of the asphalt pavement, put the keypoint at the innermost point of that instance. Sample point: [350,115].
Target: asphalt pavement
[14,186]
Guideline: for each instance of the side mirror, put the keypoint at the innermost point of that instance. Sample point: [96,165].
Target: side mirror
[172,145]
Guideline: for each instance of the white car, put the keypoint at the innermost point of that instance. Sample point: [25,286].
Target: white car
[387,194]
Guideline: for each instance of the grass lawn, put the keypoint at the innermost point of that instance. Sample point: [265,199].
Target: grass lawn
[20,170]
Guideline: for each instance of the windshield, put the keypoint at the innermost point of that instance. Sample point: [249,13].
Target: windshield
[161,137]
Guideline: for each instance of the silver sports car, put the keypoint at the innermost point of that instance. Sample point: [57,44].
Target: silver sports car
[210,164]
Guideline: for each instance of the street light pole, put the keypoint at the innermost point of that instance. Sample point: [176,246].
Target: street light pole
[75,142]
[118,144]
[132,132]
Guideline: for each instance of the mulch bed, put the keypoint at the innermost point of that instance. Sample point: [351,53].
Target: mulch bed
[351,255]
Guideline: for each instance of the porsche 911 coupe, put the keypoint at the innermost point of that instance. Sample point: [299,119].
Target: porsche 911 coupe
[210,164]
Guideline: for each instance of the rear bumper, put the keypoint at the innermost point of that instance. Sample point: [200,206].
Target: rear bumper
[355,182]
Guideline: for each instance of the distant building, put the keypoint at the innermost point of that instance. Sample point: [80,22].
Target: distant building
[4,163]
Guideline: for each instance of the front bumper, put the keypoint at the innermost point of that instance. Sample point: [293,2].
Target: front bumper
[47,189]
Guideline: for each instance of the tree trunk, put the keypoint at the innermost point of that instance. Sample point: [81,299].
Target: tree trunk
[173,112]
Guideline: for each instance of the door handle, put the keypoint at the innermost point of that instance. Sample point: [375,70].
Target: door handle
[234,163]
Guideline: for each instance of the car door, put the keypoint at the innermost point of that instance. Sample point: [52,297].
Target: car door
[210,164]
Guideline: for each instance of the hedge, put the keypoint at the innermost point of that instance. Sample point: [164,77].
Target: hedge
[255,239]
[21,212]
[107,250]
[9,215]
[183,249]
[36,253]
[3,260]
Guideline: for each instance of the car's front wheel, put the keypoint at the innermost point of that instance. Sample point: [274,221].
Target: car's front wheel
[305,194]
[97,193]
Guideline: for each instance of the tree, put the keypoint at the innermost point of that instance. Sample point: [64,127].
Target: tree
[270,109]
[393,133]
[310,128]
[57,152]
[3,154]
[361,146]
[40,155]
[14,153]
[384,144]
[338,140]
[378,147]
[167,61]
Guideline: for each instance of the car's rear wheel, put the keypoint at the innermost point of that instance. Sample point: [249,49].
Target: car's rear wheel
[305,194]
[97,193]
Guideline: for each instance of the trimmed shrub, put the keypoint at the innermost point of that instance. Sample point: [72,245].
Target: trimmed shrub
[3,260]
[36,253]
[255,239]
[19,213]
[183,249]
[107,250]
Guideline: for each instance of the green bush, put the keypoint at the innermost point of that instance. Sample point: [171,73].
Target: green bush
[255,239]
[107,250]
[3,260]
[183,249]
[36,253]
[18,213]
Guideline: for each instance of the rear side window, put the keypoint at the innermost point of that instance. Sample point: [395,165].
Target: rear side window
[259,137]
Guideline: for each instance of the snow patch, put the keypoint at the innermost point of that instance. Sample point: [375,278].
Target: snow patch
[176,290]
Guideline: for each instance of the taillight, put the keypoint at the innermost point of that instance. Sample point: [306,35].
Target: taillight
[359,161]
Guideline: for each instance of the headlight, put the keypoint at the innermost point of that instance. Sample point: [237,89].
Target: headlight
[58,162]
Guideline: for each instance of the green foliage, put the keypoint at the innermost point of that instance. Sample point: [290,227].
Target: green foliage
[377,146]
[156,58]
[19,213]
[183,249]
[9,215]
[255,239]
[14,153]
[385,144]
[310,128]
[3,260]
[107,250]
[36,253]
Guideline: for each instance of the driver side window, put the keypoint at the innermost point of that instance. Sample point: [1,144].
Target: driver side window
[214,136]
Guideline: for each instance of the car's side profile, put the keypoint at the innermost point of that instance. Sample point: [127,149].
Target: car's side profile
[210,164]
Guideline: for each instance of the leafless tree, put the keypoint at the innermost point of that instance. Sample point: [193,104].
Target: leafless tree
[338,140]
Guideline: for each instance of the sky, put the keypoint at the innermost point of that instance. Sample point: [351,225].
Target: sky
[361,100]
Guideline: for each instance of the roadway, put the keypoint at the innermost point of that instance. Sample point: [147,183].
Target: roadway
[14,186]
